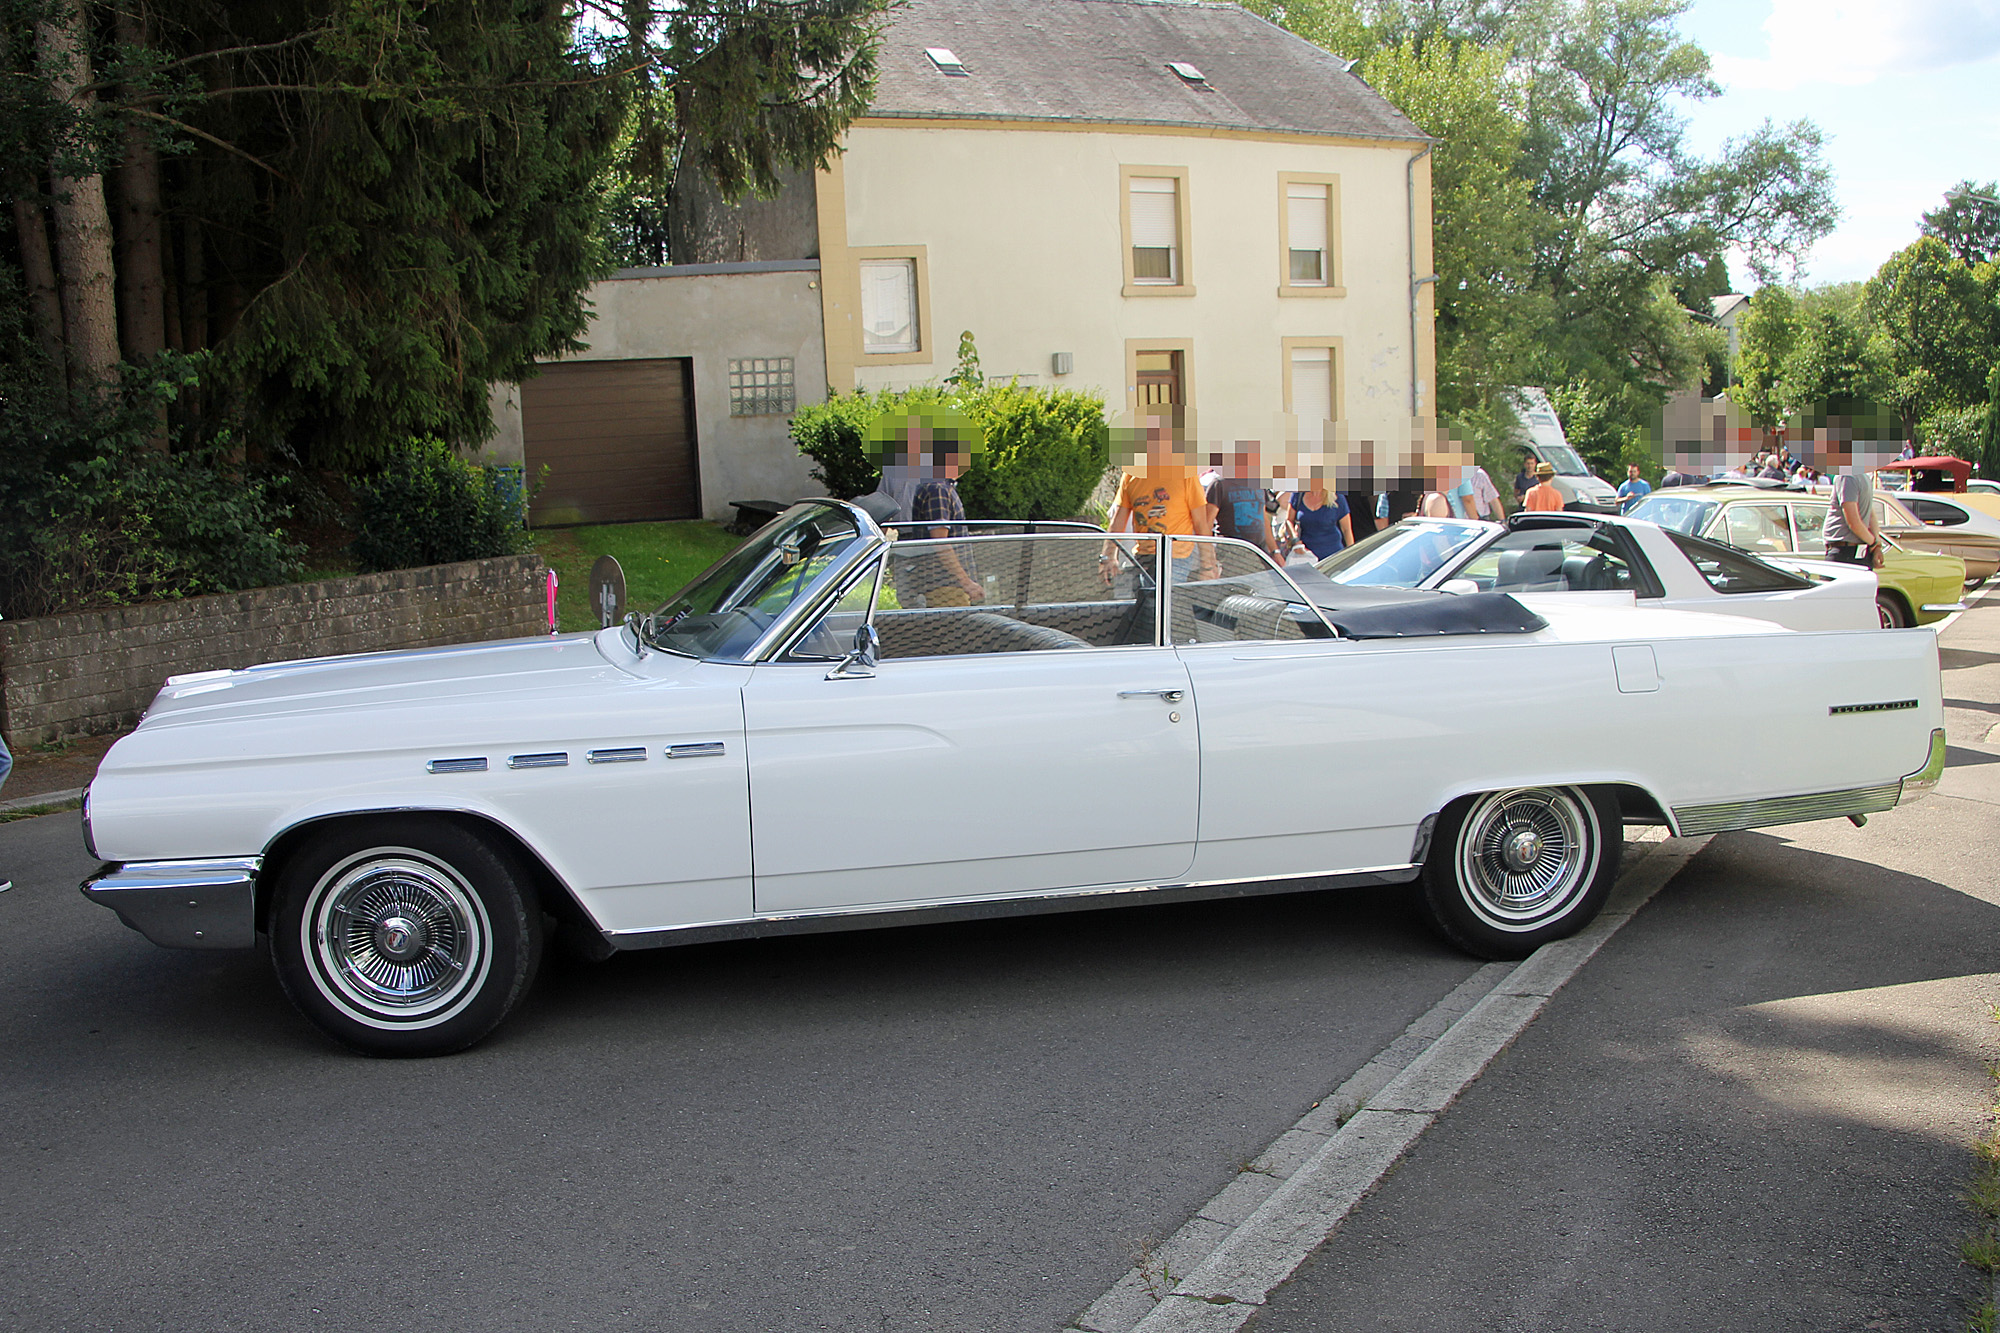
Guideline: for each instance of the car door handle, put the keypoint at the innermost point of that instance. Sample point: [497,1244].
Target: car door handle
[1167,696]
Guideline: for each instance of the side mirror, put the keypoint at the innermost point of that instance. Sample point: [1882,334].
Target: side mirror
[859,664]
[1458,587]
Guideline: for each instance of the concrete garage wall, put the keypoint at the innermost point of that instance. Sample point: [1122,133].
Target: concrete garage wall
[713,313]
[91,672]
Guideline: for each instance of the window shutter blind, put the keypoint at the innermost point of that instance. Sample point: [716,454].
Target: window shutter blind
[889,305]
[1306,226]
[1312,384]
[1155,217]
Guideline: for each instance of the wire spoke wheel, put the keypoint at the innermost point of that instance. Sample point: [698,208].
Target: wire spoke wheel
[399,936]
[407,934]
[1515,869]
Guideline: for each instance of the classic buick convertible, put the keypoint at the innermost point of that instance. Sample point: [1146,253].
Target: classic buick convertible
[829,730]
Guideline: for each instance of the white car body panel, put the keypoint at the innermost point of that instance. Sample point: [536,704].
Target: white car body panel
[943,778]
[1008,775]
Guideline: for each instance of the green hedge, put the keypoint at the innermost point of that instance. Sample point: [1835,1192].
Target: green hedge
[431,507]
[1043,450]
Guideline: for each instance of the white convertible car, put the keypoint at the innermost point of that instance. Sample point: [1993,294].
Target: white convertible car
[829,730]
[1619,559]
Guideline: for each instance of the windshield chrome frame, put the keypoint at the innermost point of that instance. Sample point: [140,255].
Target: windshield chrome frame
[871,539]
[784,634]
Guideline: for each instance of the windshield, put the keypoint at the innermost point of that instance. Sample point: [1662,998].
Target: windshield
[1681,513]
[1564,460]
[1402,556]
[724,612]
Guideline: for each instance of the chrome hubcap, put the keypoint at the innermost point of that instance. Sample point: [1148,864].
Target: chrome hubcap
[1524,856]
[398,936]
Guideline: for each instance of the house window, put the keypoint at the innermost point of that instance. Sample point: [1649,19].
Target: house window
[1305,212]
[1308,235]
[1156,230]
[889,306]
[1154,217]
[1309,384]
[761,387]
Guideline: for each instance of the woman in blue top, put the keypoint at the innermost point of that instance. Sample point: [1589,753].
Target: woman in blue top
[1320,519]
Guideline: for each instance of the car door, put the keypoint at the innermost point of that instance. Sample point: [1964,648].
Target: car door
[1039,740]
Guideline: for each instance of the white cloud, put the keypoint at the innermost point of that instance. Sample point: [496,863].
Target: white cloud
[1853,42]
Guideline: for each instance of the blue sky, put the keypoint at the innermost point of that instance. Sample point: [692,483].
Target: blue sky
[1907,93]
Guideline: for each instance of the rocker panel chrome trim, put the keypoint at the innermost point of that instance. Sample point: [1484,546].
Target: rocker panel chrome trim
[1085,900]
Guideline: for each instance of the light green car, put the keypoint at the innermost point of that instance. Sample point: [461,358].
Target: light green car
[1916,587]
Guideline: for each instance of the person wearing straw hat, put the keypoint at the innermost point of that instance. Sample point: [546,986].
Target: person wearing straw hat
[1543,496]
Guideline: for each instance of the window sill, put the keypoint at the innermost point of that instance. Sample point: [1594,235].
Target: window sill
[918,357]
[1158,289]
[1288,290]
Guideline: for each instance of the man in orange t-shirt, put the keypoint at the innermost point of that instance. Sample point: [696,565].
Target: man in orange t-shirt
[1163,495]
[1543,495]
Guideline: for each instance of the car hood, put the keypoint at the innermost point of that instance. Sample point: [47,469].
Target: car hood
[383,680]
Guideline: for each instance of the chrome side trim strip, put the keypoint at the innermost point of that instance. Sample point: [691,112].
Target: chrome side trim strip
[624,754]
[207,904]
[1086,900]
[1944,606]
[695,750]
[559,759]
[1693,821]
[456,766]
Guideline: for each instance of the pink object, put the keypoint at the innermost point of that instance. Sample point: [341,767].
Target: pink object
[552,601]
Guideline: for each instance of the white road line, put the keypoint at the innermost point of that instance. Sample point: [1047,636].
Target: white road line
[1216,1271]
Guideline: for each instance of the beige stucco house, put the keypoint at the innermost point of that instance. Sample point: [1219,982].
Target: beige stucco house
[1163,202]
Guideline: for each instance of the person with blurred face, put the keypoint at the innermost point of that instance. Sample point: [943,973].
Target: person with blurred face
[943,576]
[1633,489]
[1237,497]
[1162,494]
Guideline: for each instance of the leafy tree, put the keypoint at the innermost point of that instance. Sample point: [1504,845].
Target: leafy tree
[1932,317]
[1484,219]
[1767,334]
[1832,369]
[1968,221]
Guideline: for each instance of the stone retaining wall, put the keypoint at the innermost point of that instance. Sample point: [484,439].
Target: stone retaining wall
[91,672]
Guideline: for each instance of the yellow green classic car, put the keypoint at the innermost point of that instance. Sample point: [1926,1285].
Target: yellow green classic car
[1917,587]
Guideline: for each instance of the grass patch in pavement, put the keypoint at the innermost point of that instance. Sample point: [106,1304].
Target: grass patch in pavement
[658,560]
[1982,1248]
[33,811]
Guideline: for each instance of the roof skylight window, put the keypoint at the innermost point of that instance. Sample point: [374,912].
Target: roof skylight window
[946,62]
[1188,72]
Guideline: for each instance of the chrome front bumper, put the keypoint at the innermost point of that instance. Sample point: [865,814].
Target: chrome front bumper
[183,904]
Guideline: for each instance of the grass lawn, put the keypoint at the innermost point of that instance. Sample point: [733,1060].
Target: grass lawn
[658,560]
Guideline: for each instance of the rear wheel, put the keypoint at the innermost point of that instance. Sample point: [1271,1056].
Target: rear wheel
[1511,870]
[408,935]
[1890,608]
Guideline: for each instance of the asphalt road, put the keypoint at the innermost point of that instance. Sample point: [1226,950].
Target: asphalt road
[968,1127]
[1753,1109]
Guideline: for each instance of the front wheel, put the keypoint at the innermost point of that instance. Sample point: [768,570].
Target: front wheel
[408,935]
[1509,871]
[1891,611]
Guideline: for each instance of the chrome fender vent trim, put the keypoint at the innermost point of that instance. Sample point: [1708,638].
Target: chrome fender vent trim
[556,760]
[695,750]
[1693,821]
[624,754]
[456,765]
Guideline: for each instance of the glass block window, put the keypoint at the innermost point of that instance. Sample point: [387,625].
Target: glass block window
[761,386]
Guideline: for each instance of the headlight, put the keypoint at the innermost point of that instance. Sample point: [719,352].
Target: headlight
[89,842]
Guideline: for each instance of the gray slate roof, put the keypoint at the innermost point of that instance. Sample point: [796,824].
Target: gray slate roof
[1105,61]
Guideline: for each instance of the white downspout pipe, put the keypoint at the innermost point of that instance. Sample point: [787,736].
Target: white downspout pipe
[1416,283]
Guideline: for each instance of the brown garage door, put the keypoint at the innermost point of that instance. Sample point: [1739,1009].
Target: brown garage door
[617,438]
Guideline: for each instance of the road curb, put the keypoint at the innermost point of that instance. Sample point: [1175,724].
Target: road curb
[44,798]
[1218,1270]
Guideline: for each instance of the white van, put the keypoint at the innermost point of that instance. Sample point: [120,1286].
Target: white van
[1581,490]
